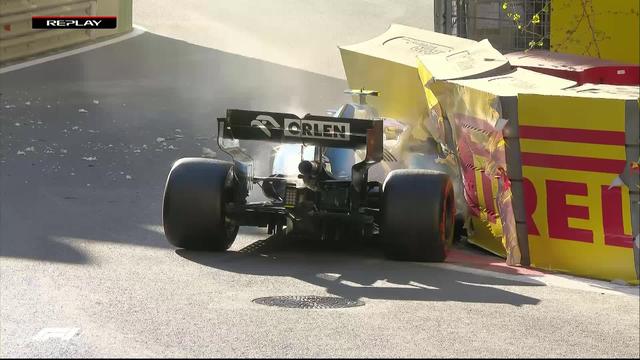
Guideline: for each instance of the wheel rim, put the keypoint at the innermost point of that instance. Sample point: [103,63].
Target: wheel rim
[447,222]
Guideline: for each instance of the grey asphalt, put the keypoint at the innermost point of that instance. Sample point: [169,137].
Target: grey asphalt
[86,143]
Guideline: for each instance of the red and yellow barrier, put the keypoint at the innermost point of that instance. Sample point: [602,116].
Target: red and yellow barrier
[573,151]
[550,179]
[548,170]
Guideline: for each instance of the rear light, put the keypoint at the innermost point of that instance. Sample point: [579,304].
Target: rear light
[291,196]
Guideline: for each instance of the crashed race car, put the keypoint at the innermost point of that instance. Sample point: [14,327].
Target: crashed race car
[319,185]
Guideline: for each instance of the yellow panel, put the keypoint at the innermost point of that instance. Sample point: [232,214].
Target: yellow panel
[594,259]
[401,95]
[600,28]
[483,237]
[571,112]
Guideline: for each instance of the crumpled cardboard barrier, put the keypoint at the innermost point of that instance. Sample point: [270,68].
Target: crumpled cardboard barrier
[482,114]
[473,61]
[449,109]
[387,63]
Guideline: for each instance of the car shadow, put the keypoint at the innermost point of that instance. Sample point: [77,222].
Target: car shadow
[359,271]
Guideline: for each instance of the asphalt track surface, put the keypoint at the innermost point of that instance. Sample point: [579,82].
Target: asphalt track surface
[86,144]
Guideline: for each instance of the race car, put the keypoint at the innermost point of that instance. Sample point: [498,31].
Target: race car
[319,185]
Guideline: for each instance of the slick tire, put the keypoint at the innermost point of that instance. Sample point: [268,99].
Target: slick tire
[418,215]
[193,211]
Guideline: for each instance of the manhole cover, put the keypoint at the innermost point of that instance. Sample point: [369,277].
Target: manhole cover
[308,302]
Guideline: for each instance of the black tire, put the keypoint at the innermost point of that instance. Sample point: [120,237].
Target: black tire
[193,209]
[417,217]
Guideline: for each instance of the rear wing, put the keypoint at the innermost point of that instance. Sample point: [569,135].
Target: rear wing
[311,129]
[321,131]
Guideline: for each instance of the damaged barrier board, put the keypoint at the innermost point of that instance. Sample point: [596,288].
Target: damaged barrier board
[387,63]
[482,114]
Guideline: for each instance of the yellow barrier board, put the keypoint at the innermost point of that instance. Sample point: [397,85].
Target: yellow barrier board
[549,170]
[387,63]
[579,153]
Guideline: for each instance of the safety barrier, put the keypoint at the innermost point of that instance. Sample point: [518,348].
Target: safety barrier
[549,169]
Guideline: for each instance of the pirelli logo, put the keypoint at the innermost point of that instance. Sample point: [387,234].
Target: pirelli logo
[316,129]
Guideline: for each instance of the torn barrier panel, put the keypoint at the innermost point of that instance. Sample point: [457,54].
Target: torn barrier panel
[387,63]
[480,112]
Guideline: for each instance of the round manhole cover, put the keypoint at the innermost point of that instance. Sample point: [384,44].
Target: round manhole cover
[308,302]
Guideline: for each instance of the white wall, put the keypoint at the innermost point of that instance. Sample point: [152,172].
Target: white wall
[302,34]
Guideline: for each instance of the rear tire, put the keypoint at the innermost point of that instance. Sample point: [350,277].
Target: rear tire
[418,215]
[195,195]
